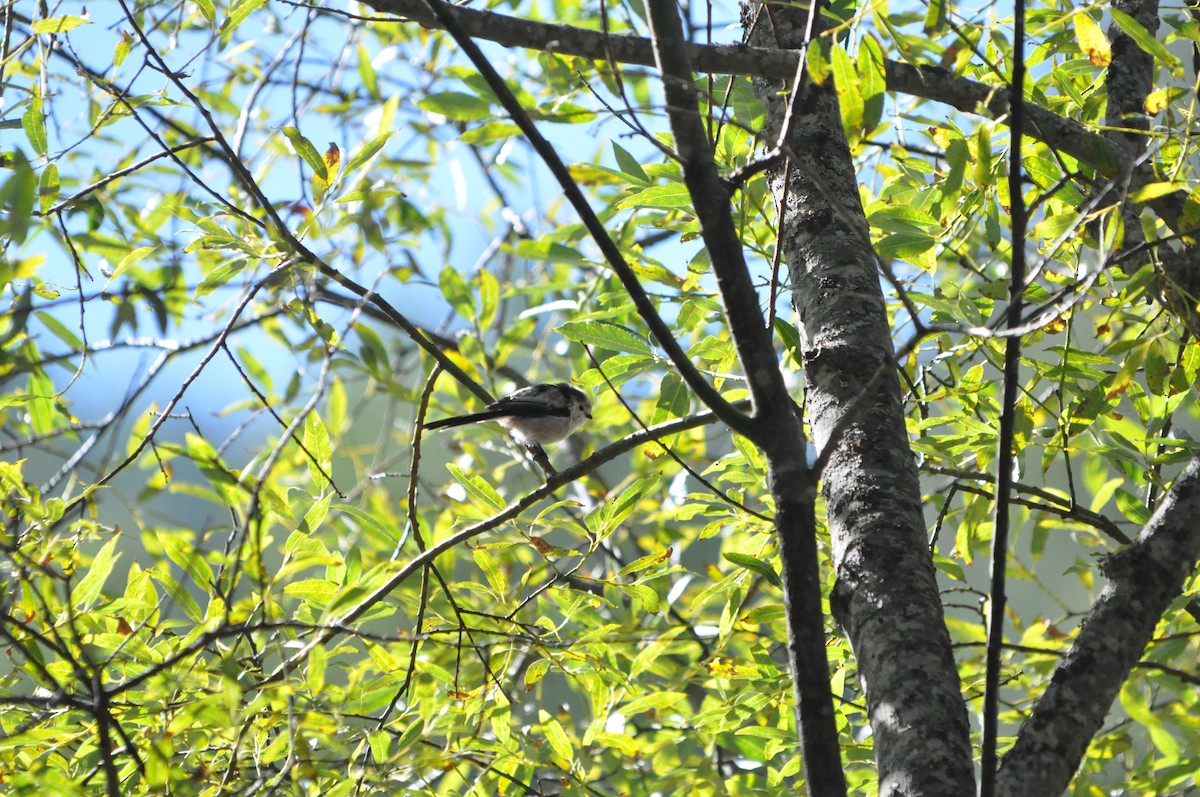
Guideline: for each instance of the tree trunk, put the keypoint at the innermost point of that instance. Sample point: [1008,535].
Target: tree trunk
[886,596]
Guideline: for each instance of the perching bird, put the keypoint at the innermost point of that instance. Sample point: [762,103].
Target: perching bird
[534,415]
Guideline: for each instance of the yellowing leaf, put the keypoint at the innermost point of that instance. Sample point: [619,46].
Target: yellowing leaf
[333,161]
[1092,40]
[1156,101]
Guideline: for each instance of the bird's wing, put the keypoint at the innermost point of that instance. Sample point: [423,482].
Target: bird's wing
[523,407]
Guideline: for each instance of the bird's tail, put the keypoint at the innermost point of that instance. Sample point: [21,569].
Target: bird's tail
[463,420]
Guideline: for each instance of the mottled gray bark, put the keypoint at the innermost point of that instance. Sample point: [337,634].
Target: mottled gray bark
[1143,579]
[1146,576]
[886,597]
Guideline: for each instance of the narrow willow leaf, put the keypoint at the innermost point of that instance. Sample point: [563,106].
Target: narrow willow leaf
[1134,30]
[89,587]
[629,164]
[606,335]
[478,487]
[316,441]
[307,152]
[48,187]
[458,106]
[59,24]
[755,565]
[673,195]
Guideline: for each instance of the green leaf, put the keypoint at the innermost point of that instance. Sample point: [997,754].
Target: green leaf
[317,591]
[367,151]
[1131,507]
[957,155]
[316,440]
[490,132]
[1134,30]
[315,515]
[60,331]
[656,701]
[935,17]
[606,335]
[489,298]
[457,293]
[849,91]
[756,565]
[674,399]
[614,512]
[672,195]
[1151,191]
[458,106]
[629,164]
[182,552]
[656,559]
[370,521]
[216,278]
[643,593]
[239,11]
[122,49]
[179,595]
[791,339]
[495,576]
[901,218]
[905,245]
[366,72]
[477,486]
[48,187]
[560,743]
[207,10]
[34,124]
[318,660]
[307,152]
[41,402]
[90,586]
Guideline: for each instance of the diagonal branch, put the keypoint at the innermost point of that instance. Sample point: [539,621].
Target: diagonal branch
[663,334]
[552,485]
[1143,579]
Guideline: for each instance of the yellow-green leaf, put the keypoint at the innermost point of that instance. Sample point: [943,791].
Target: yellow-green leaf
[476,486]
[316,440]
[59,24]
[1092,40]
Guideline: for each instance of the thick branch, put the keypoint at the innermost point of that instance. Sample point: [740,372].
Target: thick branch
[886,596]
[776,428]
[711,197]
[928,82]
[1143,579]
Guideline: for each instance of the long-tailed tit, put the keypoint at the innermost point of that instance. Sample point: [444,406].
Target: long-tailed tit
[535,415]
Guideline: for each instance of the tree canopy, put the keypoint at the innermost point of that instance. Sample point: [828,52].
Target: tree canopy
[891,481]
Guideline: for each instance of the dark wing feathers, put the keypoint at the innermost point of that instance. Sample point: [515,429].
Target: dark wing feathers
[526,407]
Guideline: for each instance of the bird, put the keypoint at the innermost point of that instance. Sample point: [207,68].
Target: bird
[535,415]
